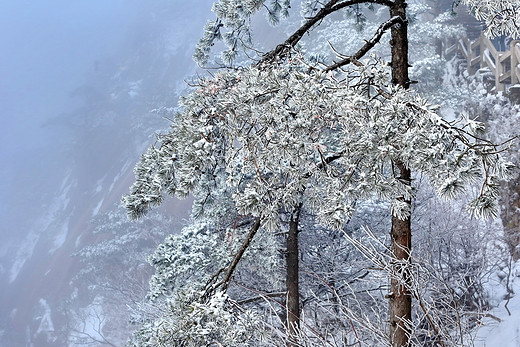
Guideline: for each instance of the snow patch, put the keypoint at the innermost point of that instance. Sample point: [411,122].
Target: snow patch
[99,184]
[135,88]
[505,333]
[97,208]
[78,240]
[60,238]
[448,113]
[25,251]
[64,192]
[46,325]
[123,170]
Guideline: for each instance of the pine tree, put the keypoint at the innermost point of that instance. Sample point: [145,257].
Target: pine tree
[287,134]
[500,17]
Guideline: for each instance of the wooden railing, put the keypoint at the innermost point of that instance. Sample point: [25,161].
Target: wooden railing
[481,53]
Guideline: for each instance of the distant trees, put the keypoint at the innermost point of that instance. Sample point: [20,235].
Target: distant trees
[503,120]
[291,143]
[113,277]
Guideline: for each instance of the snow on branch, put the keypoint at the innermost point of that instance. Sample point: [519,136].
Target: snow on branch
[267,135]
[235,17]
[502,17]
[368,44]
[233,26]
[332,6]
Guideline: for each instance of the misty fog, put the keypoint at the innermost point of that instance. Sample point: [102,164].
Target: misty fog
[78,80]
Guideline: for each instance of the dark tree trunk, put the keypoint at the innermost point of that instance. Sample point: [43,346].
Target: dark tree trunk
[292,279]
[400,298]
[401,233]
[510,201]
[399,45]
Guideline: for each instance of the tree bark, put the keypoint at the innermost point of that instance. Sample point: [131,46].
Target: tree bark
[400,306]
[510,201]
[399,43]
[400,297]
[292,278]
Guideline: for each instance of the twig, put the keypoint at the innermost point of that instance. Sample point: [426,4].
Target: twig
[368,45]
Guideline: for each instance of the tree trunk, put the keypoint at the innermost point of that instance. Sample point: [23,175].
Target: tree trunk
[510,201]
[399,45]
[400,298]
[401,233]
[292,278]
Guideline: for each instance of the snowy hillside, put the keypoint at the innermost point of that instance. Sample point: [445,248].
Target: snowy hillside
[84,166]
[502,327]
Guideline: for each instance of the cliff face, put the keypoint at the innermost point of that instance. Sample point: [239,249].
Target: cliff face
[53,205]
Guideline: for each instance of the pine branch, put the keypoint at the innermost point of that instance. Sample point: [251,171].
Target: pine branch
[210,289]
[368,45]
[332,6]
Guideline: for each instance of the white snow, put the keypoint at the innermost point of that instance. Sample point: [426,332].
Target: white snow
[46,324]
[135,87]
[99,184]
[25,251]
[489,59]
[507,332]
[60,238]
[64,191]
[98,206]
[26,248]
[123,170]
[78,240]
[448,113]
[463,47]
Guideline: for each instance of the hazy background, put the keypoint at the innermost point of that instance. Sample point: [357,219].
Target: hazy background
[50,49]
[77,81]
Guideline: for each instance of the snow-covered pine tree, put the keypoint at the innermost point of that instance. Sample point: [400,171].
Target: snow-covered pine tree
[286,135]
[114,275]
[501,17]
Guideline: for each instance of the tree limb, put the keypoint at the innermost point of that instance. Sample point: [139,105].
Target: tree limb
[262,296]
[368,45]
[236,259]
[332,6]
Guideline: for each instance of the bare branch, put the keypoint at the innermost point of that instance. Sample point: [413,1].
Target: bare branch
[368,45]
[236,259]
[332,6]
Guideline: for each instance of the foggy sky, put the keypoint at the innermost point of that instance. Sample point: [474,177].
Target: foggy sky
[59,62]
[48,49]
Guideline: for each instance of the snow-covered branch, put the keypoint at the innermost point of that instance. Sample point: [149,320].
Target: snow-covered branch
[502,17]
